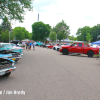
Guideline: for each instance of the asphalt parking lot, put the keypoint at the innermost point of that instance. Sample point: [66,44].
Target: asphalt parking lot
[46,74]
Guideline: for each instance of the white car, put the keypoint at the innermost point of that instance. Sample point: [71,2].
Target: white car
[54,47]
[94,45]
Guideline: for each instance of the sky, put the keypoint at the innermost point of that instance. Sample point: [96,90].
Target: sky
[75,13]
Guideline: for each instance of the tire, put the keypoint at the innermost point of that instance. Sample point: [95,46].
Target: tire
[90,53]
[7,74]
[65,52]
[54,48]
[57,49]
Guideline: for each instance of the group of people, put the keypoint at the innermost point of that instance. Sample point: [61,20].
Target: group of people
[28,45]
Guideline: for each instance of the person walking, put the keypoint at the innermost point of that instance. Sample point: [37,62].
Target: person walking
[27,45]
[30,45]
[23,44]
[33,45]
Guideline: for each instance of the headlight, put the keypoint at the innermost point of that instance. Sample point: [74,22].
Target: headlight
[13,64]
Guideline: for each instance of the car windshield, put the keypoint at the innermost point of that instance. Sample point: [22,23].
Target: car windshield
[2,48]
[8,46]
[13,44]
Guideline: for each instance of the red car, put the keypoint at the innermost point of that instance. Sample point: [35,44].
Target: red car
[79,48]
[50,46]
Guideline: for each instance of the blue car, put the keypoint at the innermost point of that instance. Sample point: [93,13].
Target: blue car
[15,55]
[8,46]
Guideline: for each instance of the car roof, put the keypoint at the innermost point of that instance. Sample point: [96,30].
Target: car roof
[4,43]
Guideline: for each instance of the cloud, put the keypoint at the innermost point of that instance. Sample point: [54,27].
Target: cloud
[39,4]
[75,13]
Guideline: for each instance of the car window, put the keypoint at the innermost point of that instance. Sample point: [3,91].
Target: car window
[80,45]
[74,44]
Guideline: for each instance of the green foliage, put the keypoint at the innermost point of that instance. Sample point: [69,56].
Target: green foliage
[30,36]
[5,36]
[20,33]
[40,31]
[72,38]
[52,36]
[88,37]
[0,29]
[82,32]
[62,30]
[14,9]
[95,31]
[6,24]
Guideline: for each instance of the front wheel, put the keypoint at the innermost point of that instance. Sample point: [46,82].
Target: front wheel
[65,52]
[54,48]
[90,54]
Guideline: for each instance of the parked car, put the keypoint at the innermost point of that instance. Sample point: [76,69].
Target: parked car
[6,65]
[79,48]
[15,55]
[9,47]
[55,47]
[50,46]
[58,47]
[15,46]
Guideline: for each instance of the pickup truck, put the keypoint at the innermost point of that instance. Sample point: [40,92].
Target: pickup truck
[79,48]
[6,65]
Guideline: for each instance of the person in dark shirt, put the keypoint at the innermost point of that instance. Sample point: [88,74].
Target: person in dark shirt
[27,45]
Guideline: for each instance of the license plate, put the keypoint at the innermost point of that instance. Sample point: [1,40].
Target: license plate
[2,73]
[13,59]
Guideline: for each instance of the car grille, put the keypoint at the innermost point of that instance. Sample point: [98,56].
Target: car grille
[3,66]
[15,55]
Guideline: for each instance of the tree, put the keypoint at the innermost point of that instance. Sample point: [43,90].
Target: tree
[88,37]
[0,29]
[20,33]
[62,30]
[82,32]
[52,36]
[40,31]
[72,38]
[5,36]
[6,24]
[14,9]
[95,32]
[30,36]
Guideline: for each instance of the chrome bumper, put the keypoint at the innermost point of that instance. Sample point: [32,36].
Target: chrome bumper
[6,70]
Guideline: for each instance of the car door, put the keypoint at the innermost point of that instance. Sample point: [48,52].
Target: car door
[79,48]
[73,48]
